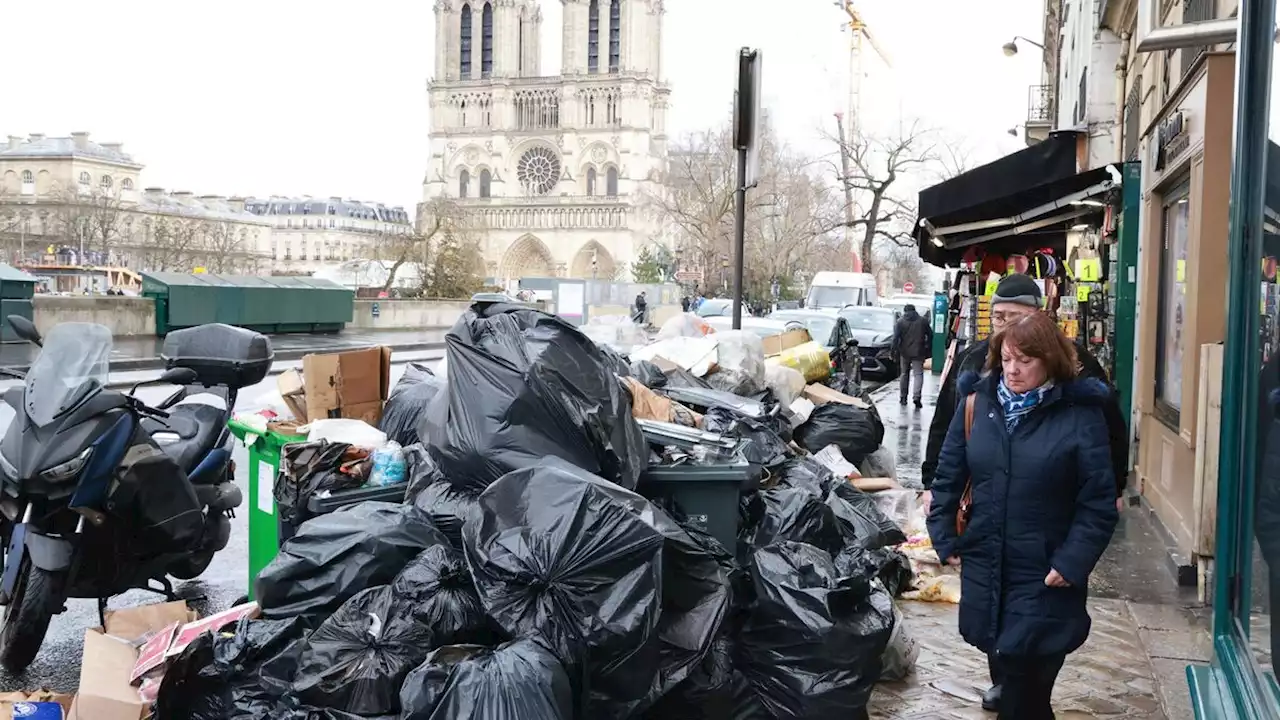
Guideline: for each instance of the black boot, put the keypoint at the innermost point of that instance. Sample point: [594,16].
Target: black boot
[919,403]
[902,401]
[991,699]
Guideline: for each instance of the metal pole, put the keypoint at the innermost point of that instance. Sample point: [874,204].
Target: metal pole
[848,191]
[739,239]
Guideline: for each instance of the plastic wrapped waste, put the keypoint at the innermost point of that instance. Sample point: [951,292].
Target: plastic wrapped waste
[743,351]
[763,445]
[564,555]
[388,465]
[684,325]
[442,597]
[681,378]
[902,652]
[812,643]
[518,681]
[224,675]
[860,520]
[810,359]
[358,658]
[858,432]
[785,382]
[411,395]
[525,385]
[306,469]
[737,382]
[695,354]
[335,556]
[879,464]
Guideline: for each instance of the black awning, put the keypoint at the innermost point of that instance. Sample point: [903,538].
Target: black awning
[1010,205]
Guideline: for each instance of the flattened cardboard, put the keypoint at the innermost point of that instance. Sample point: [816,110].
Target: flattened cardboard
[294,392]
[130,624]
[352,384]
[821,395]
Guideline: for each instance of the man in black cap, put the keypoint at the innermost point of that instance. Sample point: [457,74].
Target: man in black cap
[1015,296]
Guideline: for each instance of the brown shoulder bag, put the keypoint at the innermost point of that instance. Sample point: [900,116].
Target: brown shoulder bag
[966,499]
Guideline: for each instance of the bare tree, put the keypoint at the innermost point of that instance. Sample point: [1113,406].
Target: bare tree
[88,222]
[224,245]
[438,220]
[873,181]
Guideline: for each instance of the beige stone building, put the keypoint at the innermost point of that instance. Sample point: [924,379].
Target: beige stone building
[76,201]
[557,167]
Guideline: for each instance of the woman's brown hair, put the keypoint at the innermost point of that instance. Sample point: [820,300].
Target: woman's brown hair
[1037,336]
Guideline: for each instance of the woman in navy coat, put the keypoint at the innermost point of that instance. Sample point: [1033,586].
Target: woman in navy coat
[1043,508]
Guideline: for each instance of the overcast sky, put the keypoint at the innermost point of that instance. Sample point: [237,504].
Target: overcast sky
[328,98]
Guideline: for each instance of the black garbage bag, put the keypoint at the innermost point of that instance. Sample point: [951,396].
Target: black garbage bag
[449,509]
[438,586]
[763,445]
[843,383]
[811,643]
[525,385]
[407,401]
[706,694]
[620,364]
[306,469]
[518,681]
[227,676]
[805,473]
[889,564]
[856,431]
[650,375]
[681,378]
[358,658]
[780,515]
[559,553]
[421,469]
[335,556]
[862,523]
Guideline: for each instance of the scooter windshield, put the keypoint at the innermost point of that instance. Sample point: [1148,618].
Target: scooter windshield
[73,364]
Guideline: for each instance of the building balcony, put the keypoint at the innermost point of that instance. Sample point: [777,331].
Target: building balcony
[1039,113]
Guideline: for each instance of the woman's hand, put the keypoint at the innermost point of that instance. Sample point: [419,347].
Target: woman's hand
[953,561]
[1054,579]
[926,499]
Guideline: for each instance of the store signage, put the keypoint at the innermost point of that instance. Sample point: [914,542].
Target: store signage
[1172,139]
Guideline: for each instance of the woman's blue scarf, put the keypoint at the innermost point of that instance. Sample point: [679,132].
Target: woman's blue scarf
[1019,405]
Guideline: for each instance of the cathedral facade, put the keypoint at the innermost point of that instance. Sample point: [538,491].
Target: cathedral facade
[559,168]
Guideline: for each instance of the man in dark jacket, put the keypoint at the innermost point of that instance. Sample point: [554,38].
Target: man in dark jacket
[912,343]
[642,306]
[1018,295]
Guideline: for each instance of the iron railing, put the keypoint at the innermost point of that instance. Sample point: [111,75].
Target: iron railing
[1194,11]
[1133,120]
[1040,105]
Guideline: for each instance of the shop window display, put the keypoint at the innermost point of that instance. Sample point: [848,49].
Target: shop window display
[1170,345]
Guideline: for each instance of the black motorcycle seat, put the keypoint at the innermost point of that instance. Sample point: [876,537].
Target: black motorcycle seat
[189,433]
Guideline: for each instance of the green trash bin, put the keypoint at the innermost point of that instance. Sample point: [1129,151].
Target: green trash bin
[264,465]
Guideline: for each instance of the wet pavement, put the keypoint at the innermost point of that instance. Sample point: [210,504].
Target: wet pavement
[137,353]
[1146,629]
[58,665]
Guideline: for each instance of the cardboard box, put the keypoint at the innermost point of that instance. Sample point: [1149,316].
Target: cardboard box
[294,392]
[352,384]
[821,395]
[110,654]
[777,344]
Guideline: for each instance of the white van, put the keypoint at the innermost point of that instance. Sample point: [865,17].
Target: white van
[835,290]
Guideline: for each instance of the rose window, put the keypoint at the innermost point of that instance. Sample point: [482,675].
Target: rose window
[538,170]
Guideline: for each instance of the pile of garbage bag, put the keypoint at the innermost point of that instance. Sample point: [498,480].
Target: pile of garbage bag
[532,571]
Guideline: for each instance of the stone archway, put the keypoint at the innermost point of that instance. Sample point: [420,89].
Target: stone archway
[527,257]
[604,267]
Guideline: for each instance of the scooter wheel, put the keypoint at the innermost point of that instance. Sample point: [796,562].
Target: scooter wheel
[26,618]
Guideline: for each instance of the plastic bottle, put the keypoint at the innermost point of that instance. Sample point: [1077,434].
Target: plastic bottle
[388,465]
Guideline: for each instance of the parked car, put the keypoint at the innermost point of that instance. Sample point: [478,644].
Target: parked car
[872,327]
[715,307]
[764,327]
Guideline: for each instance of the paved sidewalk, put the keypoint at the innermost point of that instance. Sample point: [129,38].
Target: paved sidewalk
[1145,630]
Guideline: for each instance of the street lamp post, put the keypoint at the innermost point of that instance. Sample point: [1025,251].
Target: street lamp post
[1011,47]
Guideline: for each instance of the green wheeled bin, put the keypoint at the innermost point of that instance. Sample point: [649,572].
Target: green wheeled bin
[264,466]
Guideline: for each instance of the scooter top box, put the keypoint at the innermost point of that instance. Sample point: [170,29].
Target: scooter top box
[220,354]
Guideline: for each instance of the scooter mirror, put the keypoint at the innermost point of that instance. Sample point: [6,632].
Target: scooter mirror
[25,329]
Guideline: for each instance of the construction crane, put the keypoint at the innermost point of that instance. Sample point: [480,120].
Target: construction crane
[858,33]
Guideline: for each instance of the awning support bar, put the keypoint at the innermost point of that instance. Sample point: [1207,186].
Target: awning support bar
[1021,229]
[1085,194]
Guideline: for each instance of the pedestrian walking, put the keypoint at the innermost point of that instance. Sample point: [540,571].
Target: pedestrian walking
[642,305]
[912,343]
[1016,296]
[1024,504]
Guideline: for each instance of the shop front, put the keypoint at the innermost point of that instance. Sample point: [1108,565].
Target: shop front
[1239,682]
[1039,213]
[1186,180]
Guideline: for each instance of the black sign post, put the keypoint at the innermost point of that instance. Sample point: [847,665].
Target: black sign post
[746,140]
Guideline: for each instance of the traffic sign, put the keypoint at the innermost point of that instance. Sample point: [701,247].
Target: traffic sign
[908,287]
[686,276]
